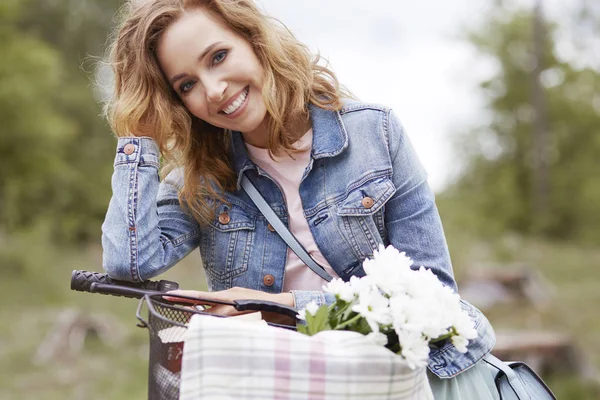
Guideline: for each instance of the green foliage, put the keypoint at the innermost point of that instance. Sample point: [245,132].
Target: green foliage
[55,148]
[33,131]
[572,387]
[337,316]
[498,180]
[316,323]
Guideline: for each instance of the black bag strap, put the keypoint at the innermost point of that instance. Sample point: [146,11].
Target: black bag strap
[281,229]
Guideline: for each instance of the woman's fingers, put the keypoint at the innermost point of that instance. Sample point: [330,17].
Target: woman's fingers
[211,299]
[180,300]
[227,311]
[187,293]
[230,295]
[194,297]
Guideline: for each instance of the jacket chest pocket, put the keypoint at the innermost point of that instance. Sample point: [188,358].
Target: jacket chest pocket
[226,246]
[360,216]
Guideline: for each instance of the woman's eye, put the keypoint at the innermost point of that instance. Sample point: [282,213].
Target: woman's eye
[186,86]
[219,56]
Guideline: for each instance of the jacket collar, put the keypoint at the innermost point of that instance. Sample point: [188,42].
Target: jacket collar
[329,140]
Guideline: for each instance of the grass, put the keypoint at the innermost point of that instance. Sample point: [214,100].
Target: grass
[34,291]
[571,274]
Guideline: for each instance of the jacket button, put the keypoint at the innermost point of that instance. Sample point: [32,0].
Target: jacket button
[367,202]
[224,218]
[129,149]
[270,227]
[269,280]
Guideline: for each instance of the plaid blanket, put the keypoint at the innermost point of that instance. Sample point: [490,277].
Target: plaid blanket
[225,358]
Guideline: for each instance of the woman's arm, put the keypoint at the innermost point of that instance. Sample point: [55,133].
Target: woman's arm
[145,231]
[237,293]
[412,220]
[413,225]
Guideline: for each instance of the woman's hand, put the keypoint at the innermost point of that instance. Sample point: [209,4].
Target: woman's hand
[236,293]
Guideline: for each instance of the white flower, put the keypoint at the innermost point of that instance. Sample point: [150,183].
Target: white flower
[301,314]
[464,326]
[413,302]
[373,307]
[341,289]
[312,308]
[359,284]
[415,348]
[387,268]
[460,343]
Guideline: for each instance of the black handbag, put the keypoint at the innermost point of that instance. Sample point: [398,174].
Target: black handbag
[517,381]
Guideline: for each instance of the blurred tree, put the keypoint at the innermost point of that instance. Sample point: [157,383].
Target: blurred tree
[500,157]
[33,130]
[78,29]
[56,148]
[585,31]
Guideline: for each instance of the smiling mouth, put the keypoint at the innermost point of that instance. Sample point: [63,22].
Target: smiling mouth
[237,103]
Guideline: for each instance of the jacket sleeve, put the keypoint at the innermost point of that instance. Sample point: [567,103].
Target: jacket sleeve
[303,297]
[145,230]
[413,225]
[411,217]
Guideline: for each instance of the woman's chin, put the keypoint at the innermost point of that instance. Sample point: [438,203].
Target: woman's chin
[253,124]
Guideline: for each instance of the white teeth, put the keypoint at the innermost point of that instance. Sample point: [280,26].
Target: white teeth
[233,107]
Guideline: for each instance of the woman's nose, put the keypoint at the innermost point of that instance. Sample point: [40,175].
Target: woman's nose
[215,91]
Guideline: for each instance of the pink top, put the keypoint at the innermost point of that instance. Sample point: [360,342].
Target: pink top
[287,172]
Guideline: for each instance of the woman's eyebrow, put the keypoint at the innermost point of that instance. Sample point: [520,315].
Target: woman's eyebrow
[207,50]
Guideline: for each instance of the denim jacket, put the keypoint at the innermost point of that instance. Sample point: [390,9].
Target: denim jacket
[358,152]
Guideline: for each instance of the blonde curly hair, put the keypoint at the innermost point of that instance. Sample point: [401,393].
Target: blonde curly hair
[142,100]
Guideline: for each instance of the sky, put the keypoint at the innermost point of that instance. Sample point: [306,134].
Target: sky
[407,55]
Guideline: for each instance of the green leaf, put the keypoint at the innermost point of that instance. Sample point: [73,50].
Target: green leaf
[318,322]
[349,324]
[338,313]
[302,329]
[363,327]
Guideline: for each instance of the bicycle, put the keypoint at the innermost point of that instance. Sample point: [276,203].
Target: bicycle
[166,322]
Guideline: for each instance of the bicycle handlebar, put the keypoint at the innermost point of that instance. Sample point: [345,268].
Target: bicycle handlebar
[96,282]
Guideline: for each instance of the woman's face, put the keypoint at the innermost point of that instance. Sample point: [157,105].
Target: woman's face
[214,71]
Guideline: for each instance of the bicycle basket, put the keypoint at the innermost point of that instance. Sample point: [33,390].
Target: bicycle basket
[167,325]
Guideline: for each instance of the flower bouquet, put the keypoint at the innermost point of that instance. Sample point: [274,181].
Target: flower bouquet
[406,310]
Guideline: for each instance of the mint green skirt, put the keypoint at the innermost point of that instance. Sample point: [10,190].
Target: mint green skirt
[476,383]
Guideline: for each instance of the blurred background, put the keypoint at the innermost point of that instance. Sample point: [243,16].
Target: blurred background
[500,98]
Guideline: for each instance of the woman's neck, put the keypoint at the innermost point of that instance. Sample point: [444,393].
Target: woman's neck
[259,137]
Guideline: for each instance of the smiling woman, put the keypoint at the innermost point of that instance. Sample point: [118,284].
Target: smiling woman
[225,94]
[211,50]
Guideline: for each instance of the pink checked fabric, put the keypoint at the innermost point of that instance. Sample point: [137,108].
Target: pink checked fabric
[230,359]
